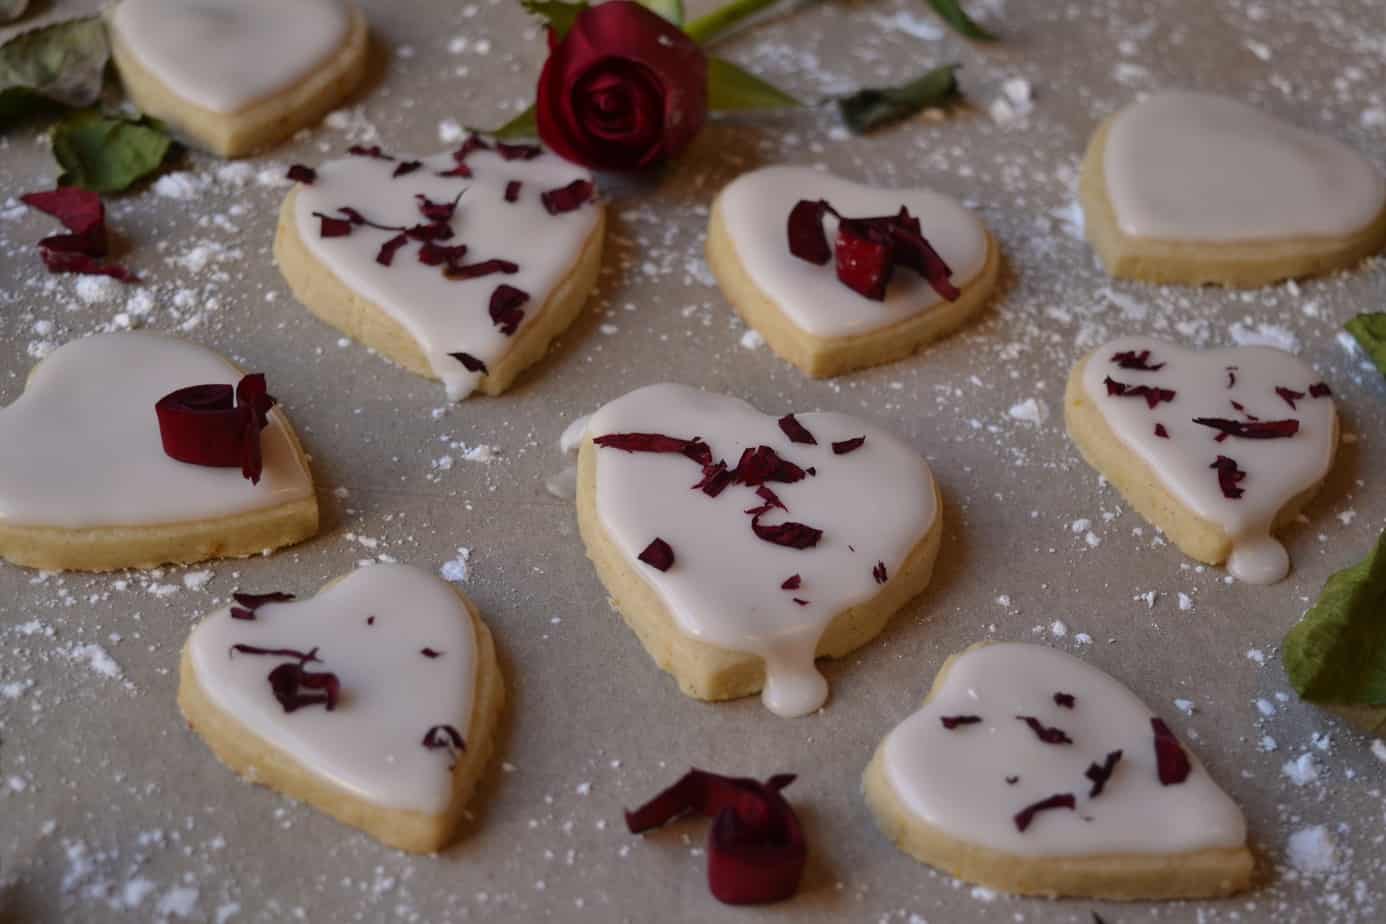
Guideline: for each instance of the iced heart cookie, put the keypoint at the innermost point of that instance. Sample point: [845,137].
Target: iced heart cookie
[376,701]
[236,76]
[837,275]
[90,471]
[460,267]
[740,547]
[1219,449]
[1191,188]
[1030,771]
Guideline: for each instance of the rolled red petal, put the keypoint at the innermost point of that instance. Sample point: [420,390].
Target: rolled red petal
[865,262]
[216,425]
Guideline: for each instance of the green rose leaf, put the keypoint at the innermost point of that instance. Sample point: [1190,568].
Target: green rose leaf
[62,64]
[672,10]
[951,12]
[733,89]
[557,15]
[10,10]
[523,125]
[1370,331]
[867,110]
[107,155]
[1336,655]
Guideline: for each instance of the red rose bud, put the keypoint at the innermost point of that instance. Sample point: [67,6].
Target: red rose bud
[623,90]
[216,425]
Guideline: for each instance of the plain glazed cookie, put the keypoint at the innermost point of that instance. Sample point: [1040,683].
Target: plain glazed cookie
[376,701]
[86,484]
[1032,772]
[1191,188]
[237,76]
[740,547]
[800,303]
[1219,449]
[460,267]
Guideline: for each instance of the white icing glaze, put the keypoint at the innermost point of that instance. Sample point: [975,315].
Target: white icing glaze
[1277,469]
[724,587]
[450,316]
[756,207]
[955,780]
[391,694]
[1195,167]
[81,448]
[224,55]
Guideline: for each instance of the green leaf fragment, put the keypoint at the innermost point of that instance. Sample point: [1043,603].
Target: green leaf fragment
[951,12]
[731,88]
[557,15]
[1370,331]
[672,10]
[62,64]
[107,155]
[869,109]
[1336,655]
[523,125]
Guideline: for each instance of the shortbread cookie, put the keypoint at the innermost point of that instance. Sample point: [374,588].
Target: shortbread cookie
[1030,771]
[376,701]
[460,267]
[1190,188]
[1219,449]
[740,548]
[86,482]
[236,76]
[785,277]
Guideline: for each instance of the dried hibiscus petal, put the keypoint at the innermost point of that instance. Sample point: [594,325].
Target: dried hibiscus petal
[789,534]
[333,227]
[1289,395]
[505,308]
[793,582]
[1229,477]
[807,239]
[567,198]
[755,849]
[477,270]
[914,251]
[470,362]
[694,449]
[1045,733]
[430,652]
[658,555]
[518,151]
[289,680]
[761,464]
[1101,773]
[715,479]
[1171,763]
[301,656]
[1025,816]
[437,211]
[1065,700]
[405,168]
[1161,432]
[865,263]
[769,501]
[952,722]
[300,173]
[215,425]
[796,431]
[1130,359]
[879,573]
[1250,429]
[386,254]
[1152,394]
[842,447]
[1320,390]
[374,151]
[432,254]
[512,190]
[82,213]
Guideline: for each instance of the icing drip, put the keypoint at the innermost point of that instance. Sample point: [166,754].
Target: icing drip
[756,206]
[392,695]
[1238,385]
[224,55]
[449,316]
[81,446]
[873,506]
[971,780]
[1194,167]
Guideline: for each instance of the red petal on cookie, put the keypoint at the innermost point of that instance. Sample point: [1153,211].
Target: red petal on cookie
[694,449]
[215,425]
[792,582]
[333,227]
[239,613]
[715,479]
[1153,395]
[437,211]
[1289,395]
[763,464]
[755,851]
[1253,429]
[287,681]
[567,198]
[1171,763]
[505,308]
[1229,476]
[374,151]
[1161,432]
[1101,773]
[843,447]
[658,555]
[406,168]
[470,362]
[477,270]
[913,250]
[518,151]
[443,736]
[952,722]
[512,190]
[300,173]
[253,602]
[386,255]
[1065,700]
[1320,390]
[1130,359]
[1025,816]
[807,239]
[431,254]
[865,263]
[430,653]
[1047,734]
[796,431]
[879,573]
[790,535]
[302,657]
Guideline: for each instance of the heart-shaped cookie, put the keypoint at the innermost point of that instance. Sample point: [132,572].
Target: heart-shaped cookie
[238,75]
[375,701]
[1218,449]
[460,267]
[85,483]
[802,308]
[1188,187]
[1030,771]
[740,547]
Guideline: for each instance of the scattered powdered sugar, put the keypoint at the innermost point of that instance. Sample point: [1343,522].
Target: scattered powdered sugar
[455,571]
[1312,850]
[1263,334]
[752,339]
[1031,411]
[1302,770]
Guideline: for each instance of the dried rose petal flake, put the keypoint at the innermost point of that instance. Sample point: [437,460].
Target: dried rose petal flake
[952,722]
[470,362]
[1229,477]
[1025,816]
[301,173]
[1130,359]
[1047,734]
[567,198]
[1099,774]
[216,425]
[1065,700]
[1152,394]
[807,239]
[1171,763]
[658,555]
[1250,429]
[842,447]
[796,431]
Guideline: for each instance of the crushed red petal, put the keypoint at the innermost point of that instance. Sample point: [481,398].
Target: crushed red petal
[694,449]
[801,601]
[1320,390]
[288,680]
[769,501]
[879,573]
[1152,394]
[472,144]
[1289,395]
[792,582]
[1025,816]
[761,464]
[512,190]
[443,736]
[842,447]
[715,479]
[864,263]
[658,555]
[241,613]
[437,211]
[1045,733]
[789,534]
[1231,376]
[1101,773]
[333,227]
[796,431]
[1012,780]
[374,151]
[1229,477]
[82,213]
[756,850]
[405,168]
[431,254]
[253,602]
[386,255]
[470,362]
[301,656]
[1161,432]
[430,653]
[952,722]
[505,308]
[914,251]
[1130,359]
[518,151]
[567,198]
[301,173]
[216,425]
[807,239]
[1171,763]
[1065,700]
[430,231]
[1252,429]
[484,268]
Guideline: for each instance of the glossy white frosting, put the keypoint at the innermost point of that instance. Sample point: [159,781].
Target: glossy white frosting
[448,316]
[956,780]
[1196,167]
[756,206]
[391,694]
[81,447]
[224,55]
[1277,469]
[873,504]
